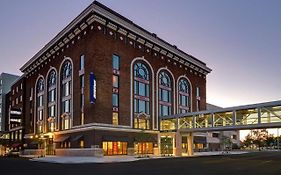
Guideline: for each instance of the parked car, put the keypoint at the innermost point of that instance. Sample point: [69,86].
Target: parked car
[12,153]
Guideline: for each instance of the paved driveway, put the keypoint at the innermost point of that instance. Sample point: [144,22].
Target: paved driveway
[264,163]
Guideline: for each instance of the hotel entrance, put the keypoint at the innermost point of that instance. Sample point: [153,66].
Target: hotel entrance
[114,148]
[166,145]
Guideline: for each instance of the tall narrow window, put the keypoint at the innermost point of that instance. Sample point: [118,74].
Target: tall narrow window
[82,98]
[183,96]
[82,62]
[141,96]
[198,99]
[66,88]
[40,87]
[115,89]
[165,94]
[82,85]
[52,93]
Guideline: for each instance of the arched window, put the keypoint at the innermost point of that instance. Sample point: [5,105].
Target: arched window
[66,89]
[165,94]
[142,95]
[40,104]
[52,94]
[183,96]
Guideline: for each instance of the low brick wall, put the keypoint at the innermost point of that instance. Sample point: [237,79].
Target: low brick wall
[96,152]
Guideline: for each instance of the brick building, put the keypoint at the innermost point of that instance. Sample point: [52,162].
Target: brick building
[101,85]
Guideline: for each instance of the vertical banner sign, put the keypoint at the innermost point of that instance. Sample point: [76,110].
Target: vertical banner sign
[93,88]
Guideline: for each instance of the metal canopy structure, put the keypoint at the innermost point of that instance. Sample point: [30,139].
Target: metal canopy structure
[256,116]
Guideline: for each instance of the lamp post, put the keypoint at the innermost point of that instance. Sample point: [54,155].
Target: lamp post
[277,139]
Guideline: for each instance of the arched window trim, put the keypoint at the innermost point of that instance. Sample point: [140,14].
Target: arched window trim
[52,79]
[62,80]
[185,94]
[153,116]
[142,76]
[189,94]
[39,104]
[157,92]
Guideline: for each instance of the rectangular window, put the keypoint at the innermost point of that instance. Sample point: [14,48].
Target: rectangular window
[66,89]
[82,62]
[197,92]
[82,100]
[66,106]
[81,144]
[21,98]
[198,105]
[52,111]
[52,95]
[40,115]
[115,62]
[66,123]
[82,118]
[164,110]
[82,81]
[115,81]
[115,100]
[115,118]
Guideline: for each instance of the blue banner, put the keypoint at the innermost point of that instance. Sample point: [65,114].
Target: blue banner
[93,88]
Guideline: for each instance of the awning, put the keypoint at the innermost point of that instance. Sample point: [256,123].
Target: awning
[115,138]
[76,138]
[34,142]
[15,145]
[61,139]
[199,139]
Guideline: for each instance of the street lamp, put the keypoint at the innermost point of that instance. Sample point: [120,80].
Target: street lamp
[278,139]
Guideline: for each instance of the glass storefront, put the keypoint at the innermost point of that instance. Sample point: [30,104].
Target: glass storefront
[114,148]
[166,145]
[143,148]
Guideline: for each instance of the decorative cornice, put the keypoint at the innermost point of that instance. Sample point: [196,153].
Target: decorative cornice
[108,18]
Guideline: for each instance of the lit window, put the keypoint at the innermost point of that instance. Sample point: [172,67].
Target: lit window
[81,144]
[115,81]
[115,118]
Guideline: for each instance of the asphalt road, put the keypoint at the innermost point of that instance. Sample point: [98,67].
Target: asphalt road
[263,163]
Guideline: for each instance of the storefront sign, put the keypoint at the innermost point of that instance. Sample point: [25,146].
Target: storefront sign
[93,88]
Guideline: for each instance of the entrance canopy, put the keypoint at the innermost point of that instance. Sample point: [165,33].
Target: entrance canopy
[256,116]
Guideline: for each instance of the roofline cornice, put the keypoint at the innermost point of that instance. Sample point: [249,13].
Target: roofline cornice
[99,9]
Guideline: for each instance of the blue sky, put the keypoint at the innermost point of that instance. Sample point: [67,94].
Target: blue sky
[240,40]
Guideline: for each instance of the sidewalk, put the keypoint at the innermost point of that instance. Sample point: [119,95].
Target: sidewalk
[77,160]
[115,159]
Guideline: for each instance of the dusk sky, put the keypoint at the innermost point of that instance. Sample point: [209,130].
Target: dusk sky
[240,40]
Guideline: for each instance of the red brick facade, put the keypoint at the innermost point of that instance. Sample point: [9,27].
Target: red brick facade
[98,42]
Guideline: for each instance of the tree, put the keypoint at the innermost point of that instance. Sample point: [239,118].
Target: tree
[259,136]
[226,142]
[248,142]
[270,140]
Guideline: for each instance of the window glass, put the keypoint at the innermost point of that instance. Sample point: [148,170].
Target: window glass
[115,100]
[115,81]
[115,62]
[82,62]
[115,118]
[142,90]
